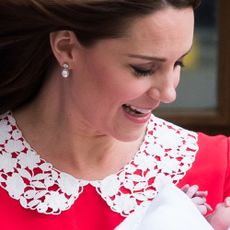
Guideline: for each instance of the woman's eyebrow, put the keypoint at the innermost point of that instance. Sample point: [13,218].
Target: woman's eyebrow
[153,58]
[150,58]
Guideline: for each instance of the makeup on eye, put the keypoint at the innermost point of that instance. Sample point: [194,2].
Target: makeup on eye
[179,63]
[140,71]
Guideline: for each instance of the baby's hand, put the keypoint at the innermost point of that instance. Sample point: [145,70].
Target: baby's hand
[197,197]
[220,218]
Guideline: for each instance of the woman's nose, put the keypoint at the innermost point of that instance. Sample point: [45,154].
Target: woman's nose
[168,94]
[164,90]
[165,95]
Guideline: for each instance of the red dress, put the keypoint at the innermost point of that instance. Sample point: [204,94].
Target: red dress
[35,195]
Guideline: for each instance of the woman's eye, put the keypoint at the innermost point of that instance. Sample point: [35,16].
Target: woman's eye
[179,63]
[139,71]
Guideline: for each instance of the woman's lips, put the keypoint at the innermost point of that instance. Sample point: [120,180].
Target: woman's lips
[136,111]
[136,114]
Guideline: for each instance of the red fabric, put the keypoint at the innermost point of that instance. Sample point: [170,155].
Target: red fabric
[90,212]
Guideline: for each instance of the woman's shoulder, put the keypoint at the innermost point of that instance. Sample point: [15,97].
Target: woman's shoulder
[218,138]
[217,145]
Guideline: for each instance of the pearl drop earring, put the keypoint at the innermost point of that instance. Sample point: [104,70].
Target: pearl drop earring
[65,71]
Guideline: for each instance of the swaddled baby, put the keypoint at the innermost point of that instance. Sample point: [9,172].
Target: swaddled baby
[172,209]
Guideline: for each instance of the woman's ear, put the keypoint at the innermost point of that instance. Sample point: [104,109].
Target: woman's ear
[63,44]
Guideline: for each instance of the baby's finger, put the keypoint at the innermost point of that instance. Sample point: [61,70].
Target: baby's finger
[227,202]
[203,209]
[198,200]
[201,193]
[209,208]
[192,191]
[185,188]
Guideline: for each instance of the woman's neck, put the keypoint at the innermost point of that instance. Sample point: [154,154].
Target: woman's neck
[65,141]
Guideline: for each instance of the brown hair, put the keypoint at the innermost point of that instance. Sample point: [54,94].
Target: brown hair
[25,25]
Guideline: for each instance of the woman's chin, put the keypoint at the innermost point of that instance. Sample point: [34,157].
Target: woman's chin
[131,135]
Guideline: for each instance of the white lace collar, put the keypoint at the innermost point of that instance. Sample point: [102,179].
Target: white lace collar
[166,150]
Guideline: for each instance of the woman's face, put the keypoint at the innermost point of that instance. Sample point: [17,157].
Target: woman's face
[117,83]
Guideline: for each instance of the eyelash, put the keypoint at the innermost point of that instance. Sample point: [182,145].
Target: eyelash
[180,63]
[140,72]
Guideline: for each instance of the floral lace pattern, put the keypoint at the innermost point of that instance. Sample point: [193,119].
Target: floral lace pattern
[167,150]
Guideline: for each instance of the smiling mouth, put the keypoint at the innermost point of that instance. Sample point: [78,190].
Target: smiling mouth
[135,111]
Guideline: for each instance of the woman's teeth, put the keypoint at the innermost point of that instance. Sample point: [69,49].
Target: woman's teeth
[133,110]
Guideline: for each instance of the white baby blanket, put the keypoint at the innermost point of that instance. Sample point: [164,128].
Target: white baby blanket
[172,209]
